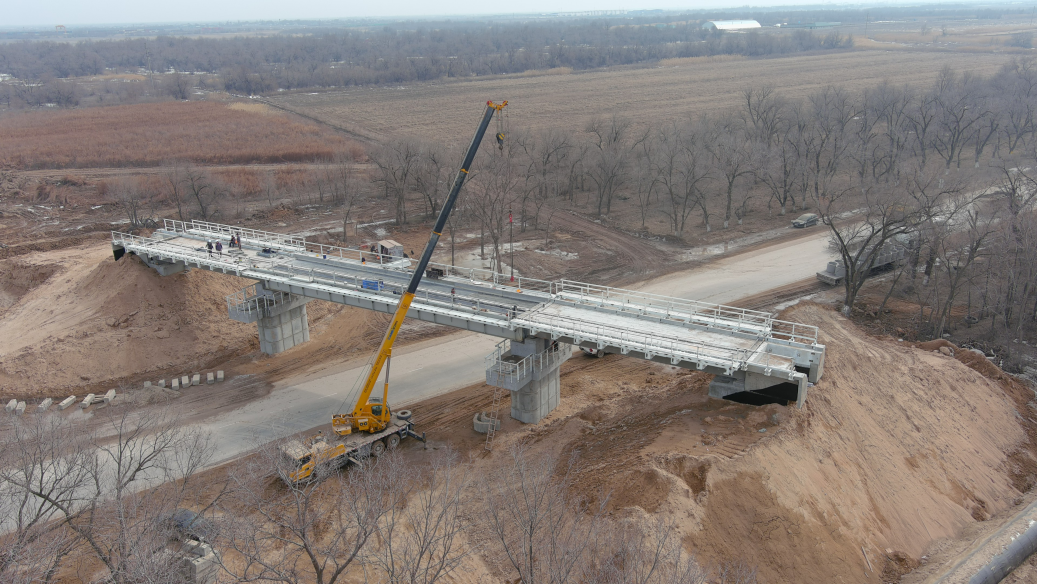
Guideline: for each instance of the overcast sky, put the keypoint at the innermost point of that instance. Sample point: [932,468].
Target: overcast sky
[48,13]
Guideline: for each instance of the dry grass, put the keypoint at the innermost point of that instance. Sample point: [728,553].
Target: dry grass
[151,134]
[447,112]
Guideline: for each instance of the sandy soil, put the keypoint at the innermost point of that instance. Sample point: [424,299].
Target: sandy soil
[897,447]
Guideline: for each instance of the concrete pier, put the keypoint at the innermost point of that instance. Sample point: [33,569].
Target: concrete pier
[280,317]
[530,371]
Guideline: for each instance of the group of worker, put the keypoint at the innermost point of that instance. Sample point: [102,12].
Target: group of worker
[210,245]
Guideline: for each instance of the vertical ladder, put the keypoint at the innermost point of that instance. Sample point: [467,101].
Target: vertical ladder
[494,416]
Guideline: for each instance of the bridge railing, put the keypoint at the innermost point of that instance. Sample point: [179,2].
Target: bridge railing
[252,300]
[690,311]
[154,247]
[220,231]
[517,371]
[651,344]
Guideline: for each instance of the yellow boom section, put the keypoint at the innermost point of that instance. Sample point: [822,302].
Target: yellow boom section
[367,416]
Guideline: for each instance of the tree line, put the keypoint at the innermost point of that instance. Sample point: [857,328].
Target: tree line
[348,57]
[99,499]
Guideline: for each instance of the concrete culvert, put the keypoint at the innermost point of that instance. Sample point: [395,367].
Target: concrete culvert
[404,415]
[481,422]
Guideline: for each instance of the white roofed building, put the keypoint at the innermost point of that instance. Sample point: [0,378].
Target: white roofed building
[730,24]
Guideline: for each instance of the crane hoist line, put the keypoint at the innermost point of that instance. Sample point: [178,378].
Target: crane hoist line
[373,415]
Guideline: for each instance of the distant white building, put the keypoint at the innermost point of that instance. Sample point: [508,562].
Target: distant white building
[730,24]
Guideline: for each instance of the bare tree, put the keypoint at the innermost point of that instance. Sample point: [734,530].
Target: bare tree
[493,196]
[731,160]
[202,191]
[608,167]
[175,189]
[178,85]
[305,532]
[546,156]
[536,522]
[396,162]
[137,199]
[422,541]
[432,176]
[641,552]
[679,173]
[762,113]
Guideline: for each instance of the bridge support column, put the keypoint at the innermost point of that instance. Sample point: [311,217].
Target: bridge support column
[531,372]
[280,316]
[283,331]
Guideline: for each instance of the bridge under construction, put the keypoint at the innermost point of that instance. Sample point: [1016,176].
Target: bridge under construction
[755,357]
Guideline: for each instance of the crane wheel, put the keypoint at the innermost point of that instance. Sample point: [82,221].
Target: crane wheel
[404,415]
[377,448]
[392,441]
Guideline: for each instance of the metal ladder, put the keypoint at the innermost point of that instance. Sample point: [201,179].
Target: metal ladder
[494,416]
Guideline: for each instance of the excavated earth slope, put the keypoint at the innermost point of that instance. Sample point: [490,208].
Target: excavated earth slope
[897,446]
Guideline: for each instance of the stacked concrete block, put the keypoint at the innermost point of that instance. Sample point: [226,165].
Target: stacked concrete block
[89,399]
[176,384]
[20,408]
[196,379]
[67,402]
[200,562]
[44,405]
[11,405]
[219,376]
[185,381]
[209,379]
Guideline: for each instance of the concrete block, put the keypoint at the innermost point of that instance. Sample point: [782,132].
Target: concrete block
[20,408]
[219,376]
[108,397]
[89,399]
[185,381]
[147,385]
[209,379]
[161,382]
[44,405]
[481,422]
[176,384]
[11,405]
[67,402]
[196,379]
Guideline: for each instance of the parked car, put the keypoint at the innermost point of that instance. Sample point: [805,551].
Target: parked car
[805,220]
[593,352]
[186,524]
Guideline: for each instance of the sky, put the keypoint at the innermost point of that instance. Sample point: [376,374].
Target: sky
[47,13]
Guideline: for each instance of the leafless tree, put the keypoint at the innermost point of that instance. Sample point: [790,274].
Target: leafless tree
[421,541]
[137,199]
[824,140]
[546,155]
[536,522]
[432,175]
[780,167]
[611,144]
[109,490]
[396,162]
[202,191]
[178,85]
[731,158]
[493,195]
[680,171]
[762,113]
[959,109]
[641,552]
[306,532]
[175,188]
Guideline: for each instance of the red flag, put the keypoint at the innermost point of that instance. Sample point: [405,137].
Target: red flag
[509,218]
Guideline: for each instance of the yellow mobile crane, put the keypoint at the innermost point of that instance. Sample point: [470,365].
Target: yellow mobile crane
[373,416]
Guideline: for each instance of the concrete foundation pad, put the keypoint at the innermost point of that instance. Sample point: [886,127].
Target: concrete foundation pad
[209,379]
[176,385]
[196,379]
[219,376]
[185,381]
[89,399]
[44,405]
[67,402]
[147,385]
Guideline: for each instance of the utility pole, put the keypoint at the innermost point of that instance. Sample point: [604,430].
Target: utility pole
[511,228]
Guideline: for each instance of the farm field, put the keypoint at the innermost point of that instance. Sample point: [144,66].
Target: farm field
[679,88]
[150,134]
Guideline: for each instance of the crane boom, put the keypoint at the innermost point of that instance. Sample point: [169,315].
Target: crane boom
[374,416]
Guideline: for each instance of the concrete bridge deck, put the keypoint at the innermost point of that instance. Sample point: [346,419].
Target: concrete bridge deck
[748,350]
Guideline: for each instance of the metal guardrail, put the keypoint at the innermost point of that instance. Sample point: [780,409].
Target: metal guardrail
[252,237]
[154,247]
[251,301]
[515,372]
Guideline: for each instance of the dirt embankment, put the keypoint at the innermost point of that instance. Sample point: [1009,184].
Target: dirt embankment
[897,447]
[75,318]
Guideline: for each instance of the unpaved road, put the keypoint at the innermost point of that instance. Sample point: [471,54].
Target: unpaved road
[444,364]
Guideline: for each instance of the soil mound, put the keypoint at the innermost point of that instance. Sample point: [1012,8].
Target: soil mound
[897,446]
[95,321]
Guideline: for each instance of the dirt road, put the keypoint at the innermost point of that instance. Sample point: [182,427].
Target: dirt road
[438,366]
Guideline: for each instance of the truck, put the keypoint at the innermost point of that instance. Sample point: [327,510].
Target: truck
[889,254]
[371,426]
[310,458]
